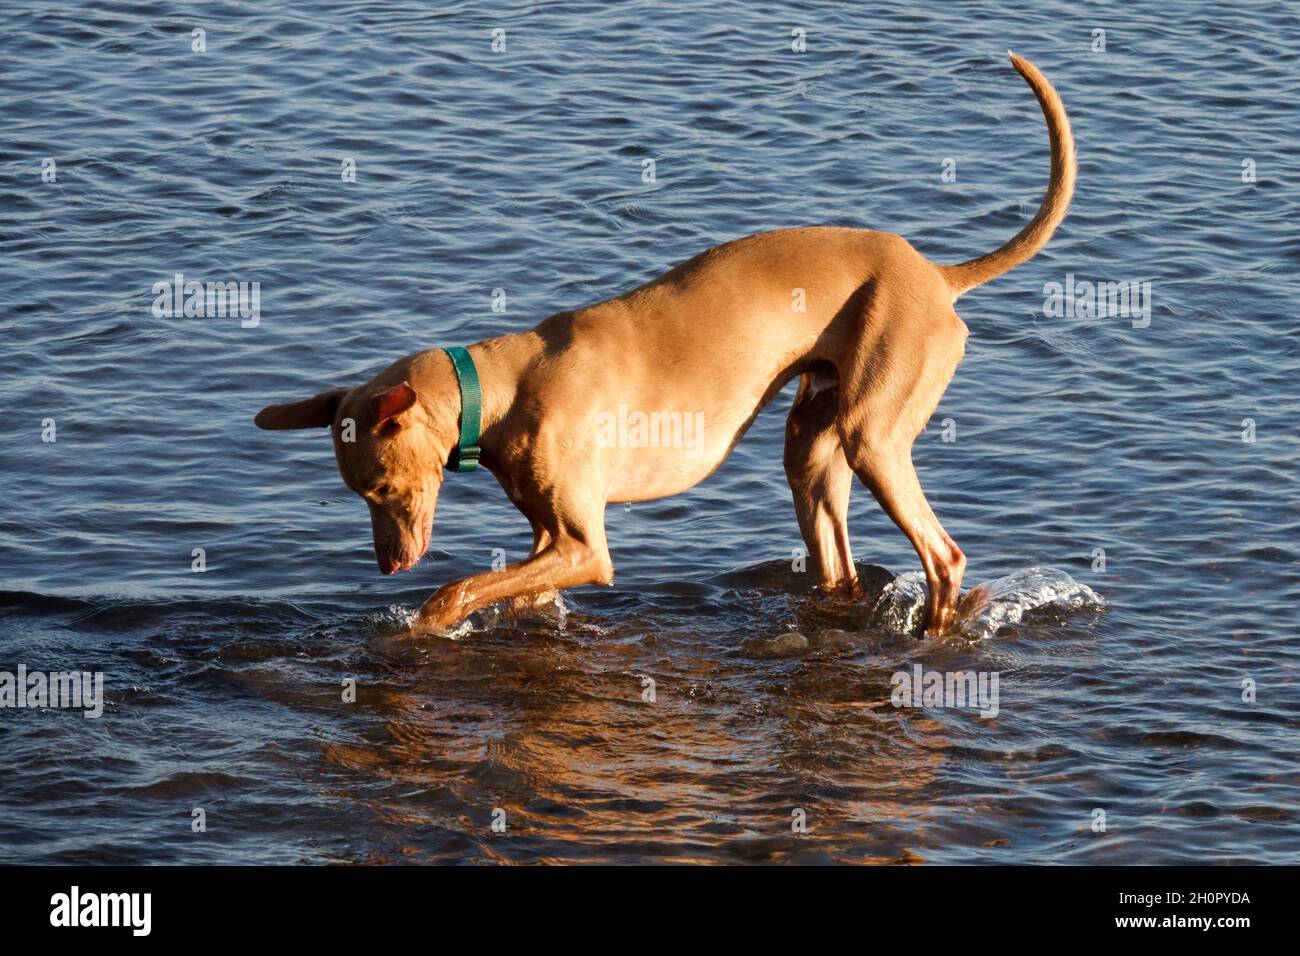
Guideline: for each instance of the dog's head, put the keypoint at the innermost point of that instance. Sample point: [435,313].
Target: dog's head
[391,445]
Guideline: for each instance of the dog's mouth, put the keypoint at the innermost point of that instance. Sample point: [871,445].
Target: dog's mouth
[403,559]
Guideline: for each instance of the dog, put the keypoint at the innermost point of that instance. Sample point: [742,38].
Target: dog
[875,344]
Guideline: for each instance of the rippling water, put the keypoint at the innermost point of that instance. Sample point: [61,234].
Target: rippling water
[1120,685]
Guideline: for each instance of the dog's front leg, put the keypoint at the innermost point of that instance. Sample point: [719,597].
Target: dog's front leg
[565,562]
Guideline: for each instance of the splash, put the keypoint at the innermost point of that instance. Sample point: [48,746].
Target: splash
[988,606]
[392,620]
[901,605]
[547,609]
[400,623]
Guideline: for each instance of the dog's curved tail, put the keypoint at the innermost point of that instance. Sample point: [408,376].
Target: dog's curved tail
[1022,247]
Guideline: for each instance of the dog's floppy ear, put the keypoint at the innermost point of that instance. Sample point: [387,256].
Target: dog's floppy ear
[388,404]
[315,412]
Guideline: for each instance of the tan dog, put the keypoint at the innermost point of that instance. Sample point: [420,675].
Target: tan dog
[876,344]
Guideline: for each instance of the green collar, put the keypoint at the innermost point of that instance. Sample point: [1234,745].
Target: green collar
[465,457]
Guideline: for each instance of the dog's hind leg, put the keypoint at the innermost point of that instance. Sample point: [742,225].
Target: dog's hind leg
[820,480]
[890,383]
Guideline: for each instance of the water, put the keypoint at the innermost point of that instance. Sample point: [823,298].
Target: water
[1119,689]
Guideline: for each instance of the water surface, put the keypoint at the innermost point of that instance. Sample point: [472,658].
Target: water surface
[1120,688]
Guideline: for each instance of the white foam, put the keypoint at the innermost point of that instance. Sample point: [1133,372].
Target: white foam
[987,606]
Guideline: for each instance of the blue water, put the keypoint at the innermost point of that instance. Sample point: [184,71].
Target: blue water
[1121,688]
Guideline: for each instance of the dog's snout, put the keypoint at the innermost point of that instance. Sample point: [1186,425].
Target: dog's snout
[399,540]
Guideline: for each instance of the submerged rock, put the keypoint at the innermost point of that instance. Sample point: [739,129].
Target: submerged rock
[790,644]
